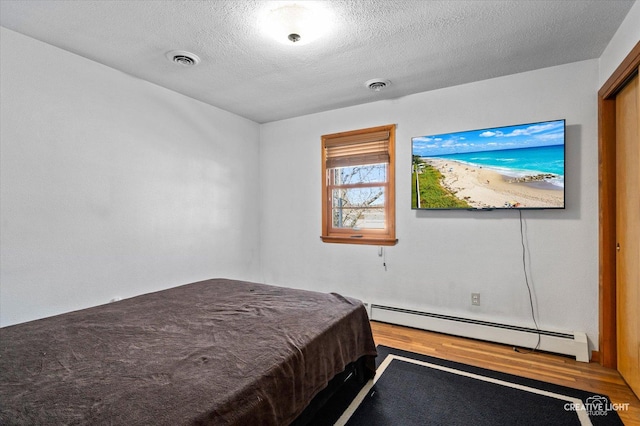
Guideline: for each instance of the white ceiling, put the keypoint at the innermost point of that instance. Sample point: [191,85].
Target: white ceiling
[417,45]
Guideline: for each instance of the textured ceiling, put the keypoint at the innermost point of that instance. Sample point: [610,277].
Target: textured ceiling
[417,45]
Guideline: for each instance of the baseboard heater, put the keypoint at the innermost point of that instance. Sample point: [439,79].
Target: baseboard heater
[574,344]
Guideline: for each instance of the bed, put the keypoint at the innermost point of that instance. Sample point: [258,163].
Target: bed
[212,352]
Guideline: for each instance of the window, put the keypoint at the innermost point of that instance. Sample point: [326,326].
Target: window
[358,187]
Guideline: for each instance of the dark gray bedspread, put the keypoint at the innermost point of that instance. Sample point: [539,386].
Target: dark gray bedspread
[213,352]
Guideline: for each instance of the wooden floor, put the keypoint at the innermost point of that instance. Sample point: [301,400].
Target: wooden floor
[546,367]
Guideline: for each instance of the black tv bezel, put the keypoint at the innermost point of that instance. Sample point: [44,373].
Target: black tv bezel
[564,192]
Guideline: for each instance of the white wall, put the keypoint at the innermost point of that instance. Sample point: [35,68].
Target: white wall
[112,186]
[444,256]
[625,38]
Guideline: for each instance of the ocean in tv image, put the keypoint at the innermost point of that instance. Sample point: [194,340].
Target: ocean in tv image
[519,166]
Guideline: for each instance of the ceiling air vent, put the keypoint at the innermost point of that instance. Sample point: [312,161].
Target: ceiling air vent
[377,84]
[185,59]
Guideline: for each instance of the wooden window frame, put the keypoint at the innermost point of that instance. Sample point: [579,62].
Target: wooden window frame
[382,237]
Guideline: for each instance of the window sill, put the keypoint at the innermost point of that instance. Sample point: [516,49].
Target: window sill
[360,240]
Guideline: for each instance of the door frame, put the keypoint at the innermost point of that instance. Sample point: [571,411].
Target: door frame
[608,351]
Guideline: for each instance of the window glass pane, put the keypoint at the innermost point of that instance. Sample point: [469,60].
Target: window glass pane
[358,218]
[370,173]
[358,197]
[358,208]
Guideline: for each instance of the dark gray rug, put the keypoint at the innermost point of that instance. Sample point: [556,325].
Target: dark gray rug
[413,389]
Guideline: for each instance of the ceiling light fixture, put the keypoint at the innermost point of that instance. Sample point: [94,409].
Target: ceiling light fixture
[183,58]
[296,23]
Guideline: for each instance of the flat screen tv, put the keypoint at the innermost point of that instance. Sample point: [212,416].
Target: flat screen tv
[510,167]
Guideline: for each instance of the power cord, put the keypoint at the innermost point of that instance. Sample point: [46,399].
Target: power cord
[526,280]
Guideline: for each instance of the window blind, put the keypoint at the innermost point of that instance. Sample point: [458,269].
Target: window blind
[357,150]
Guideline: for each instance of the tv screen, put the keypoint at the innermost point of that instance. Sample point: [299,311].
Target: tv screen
[519,166]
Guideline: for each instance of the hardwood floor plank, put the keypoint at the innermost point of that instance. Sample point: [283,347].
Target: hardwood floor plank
[551,368]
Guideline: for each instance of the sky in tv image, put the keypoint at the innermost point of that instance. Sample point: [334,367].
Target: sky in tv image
[519,166]
[510,137]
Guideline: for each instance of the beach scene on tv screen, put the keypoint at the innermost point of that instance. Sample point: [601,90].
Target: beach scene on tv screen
[520,166]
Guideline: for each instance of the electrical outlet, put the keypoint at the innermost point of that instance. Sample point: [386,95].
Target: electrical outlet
[475,299]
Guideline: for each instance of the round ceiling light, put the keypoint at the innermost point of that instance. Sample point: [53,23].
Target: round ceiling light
[298,23]
[377,84]
[183,58]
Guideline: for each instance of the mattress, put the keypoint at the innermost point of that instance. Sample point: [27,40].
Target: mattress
[212,352]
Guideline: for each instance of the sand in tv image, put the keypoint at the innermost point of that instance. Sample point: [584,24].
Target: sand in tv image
[519,166]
